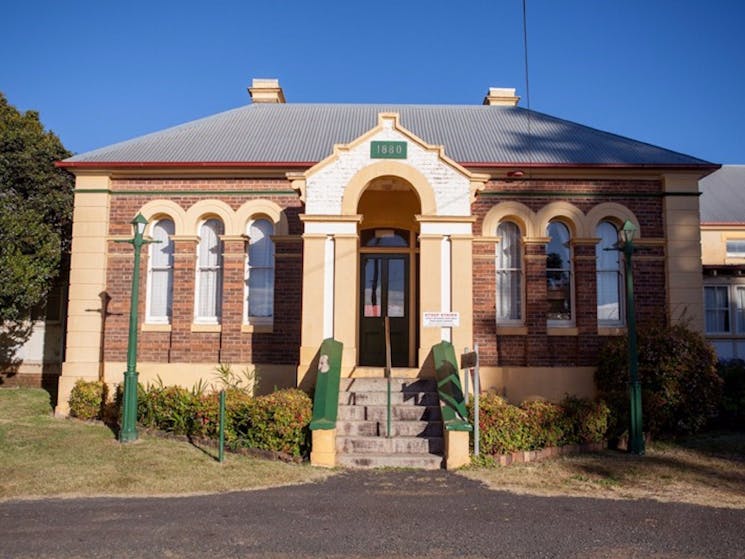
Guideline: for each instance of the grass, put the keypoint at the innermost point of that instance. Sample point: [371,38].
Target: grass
[704,470]
[44,456]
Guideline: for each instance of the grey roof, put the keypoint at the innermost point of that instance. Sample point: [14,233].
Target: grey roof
[723,195]
[307,133]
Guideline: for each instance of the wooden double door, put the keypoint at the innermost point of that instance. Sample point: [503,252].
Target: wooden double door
[385,291]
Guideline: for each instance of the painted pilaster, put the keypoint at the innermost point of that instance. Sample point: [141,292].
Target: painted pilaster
[346,287]
[430,290]
[683,251]
[462,289]
[84,351]
[311,335]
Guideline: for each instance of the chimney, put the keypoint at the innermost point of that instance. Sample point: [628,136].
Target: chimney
[501,96]
[266,91]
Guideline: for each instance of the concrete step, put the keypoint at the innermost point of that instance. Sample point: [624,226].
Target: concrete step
[400,372]
[381,385]
[382,445]
[398,413]
[418,461]
[381,398]
[398,428]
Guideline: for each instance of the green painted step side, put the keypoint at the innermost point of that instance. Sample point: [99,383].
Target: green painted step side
[452,402]
[326,398]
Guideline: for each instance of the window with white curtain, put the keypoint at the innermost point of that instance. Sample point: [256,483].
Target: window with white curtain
[160,273]
[608,273]
[559,274]
[260,272]
[509,273]
[209,272]
[716,306]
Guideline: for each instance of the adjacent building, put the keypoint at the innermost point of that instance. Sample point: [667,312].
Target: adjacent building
[281,224]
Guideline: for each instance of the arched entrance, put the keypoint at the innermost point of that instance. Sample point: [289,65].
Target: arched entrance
[388,272]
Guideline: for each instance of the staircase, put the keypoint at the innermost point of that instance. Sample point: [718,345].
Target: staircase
[416,424]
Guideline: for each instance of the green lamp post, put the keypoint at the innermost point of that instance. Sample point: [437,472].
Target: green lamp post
[636,435]
[128,431]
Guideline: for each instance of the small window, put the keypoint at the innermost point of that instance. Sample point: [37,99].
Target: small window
[260,270]
[736,248]
[509,273]
[559,273]
[209,272]
[384,238]
[160,273]
[608,270]
[716,305]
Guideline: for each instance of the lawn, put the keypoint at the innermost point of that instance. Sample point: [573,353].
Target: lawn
[44,456]
[704,470]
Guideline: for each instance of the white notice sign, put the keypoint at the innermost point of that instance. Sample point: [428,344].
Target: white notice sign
[441,319]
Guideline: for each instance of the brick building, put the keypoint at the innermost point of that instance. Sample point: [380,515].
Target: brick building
[283,224]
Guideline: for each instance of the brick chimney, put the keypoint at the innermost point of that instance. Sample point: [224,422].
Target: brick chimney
[501,96]
[266,91]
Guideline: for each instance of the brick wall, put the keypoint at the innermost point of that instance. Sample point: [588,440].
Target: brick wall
[181,345]
[537,347]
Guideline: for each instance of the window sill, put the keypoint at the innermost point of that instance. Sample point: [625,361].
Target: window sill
[562,331]
[257,328]
[512,330]
[198,327]
[611,330]
[155,327]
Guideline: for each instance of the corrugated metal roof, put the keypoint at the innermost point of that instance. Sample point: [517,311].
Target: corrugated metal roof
[307,133]
[723,195]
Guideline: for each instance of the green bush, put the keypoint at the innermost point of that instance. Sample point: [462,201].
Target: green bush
[732,412]
[680,388]
[169,408]
[585,421]
[87,399]
[546,423]
[277,421]
[504,428]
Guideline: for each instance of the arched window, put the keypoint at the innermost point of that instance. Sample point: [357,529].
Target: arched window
[608,270]
[559,273]
[160,273]
[509,273]
[260,271]
[209,272]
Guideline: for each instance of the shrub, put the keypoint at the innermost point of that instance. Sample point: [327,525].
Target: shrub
[503,428]
[585,421]
[169,408]
[277,421]
[680,387]
[546,423]
[732,411]
[87,399]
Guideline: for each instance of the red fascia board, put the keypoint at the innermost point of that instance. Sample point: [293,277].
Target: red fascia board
[308,164]
[180,164]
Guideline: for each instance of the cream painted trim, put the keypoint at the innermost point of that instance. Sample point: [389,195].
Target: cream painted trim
[611,330]
[328,287]
[256,209]
[257,328]
[158,209]
[357,218]
[504,330]
[205,209]
[445,228]
[562,330]
[155,327]
[613,212]
[359,182]
[446,218]
[187,238]
[297,183]
[198,327]
[567,213]
[516,212]
[331,228]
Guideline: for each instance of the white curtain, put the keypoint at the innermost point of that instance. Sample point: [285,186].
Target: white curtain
[509,272]
[160,296]
[559,272]
[209,271]
[608,269]
[260,269]
[716,302]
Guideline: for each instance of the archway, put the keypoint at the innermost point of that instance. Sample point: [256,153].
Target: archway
[388,271]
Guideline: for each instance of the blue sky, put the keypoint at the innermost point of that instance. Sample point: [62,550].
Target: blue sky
[667,72]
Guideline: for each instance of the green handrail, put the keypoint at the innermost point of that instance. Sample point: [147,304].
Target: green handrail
[326,397]
[449,390]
